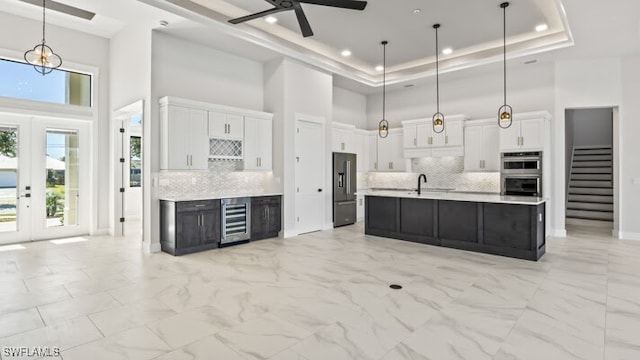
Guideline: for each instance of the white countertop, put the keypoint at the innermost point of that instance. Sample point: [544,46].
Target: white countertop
[457,196]
[212,196]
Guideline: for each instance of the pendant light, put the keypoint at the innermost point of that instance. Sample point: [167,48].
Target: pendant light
[383,125]
[42,57]
[505,113]
[438,117]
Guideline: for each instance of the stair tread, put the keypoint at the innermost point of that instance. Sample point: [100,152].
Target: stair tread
[602,199]
[590,191]
[586,206]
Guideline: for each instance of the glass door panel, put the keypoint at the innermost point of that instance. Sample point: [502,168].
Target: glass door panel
[62,180]
[8,179]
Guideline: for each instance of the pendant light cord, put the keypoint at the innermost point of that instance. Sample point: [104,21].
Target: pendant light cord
[437,73]
[43,20]
[384,79]
[504,52]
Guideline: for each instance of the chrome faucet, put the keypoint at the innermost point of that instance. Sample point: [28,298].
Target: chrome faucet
[422,176]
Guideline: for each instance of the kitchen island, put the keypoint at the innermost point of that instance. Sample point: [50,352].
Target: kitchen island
[511,226]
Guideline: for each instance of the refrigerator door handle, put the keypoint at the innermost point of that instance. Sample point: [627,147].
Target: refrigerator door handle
[348,177]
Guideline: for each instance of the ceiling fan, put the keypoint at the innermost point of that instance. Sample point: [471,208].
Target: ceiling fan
[284,5]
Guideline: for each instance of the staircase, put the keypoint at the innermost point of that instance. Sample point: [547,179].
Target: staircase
[590,195]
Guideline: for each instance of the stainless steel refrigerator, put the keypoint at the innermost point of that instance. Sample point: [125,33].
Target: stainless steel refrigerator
[344,189]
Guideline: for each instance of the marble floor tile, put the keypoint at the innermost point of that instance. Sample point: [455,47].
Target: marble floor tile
[189,326]
[76,307]
[340,342]
[134,344]
[130,316]
[324,295]
[540,336]
[64,335]
[262,337]
[19,322]
[204,349]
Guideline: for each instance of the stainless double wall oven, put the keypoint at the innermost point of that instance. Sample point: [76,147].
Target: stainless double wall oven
[521,173]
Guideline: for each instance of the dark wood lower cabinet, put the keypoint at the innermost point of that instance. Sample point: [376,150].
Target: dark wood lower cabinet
[189,226]
[417,220]
[266,217]
[501,229]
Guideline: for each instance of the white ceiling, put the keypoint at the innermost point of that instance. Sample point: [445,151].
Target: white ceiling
[471,27]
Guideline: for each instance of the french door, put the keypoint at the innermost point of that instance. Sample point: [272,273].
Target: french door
[44,178]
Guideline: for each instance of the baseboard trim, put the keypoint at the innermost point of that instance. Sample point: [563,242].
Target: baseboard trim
[289,233]
[623,235]
[155,247]
[561,233]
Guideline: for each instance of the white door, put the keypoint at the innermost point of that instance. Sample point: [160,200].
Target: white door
[309,175]
[45,188]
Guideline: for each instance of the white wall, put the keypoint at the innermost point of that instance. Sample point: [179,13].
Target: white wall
[349,107]
[293,88]
[79,51]
[196,72]
[530,88]
[629,149]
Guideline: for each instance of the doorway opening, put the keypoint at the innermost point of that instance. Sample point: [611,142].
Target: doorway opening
[589,170]
[128,171]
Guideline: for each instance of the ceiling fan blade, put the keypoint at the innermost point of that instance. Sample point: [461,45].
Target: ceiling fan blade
[345,4]
[302,20]
[256,15]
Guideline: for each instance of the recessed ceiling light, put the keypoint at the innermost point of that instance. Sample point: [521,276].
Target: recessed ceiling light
[346,53]
[417,11]
[447,51]
[271,19]
[542,27]
[379,68]
[164,23]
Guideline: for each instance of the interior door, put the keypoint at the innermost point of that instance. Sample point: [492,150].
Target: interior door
[309,177]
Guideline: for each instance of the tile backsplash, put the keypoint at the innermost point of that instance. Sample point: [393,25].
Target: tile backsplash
[443,172]
[222,177]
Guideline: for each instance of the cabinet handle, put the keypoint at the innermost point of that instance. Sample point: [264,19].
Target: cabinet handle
[446,139]
[521,140]
[415,142]
[342,146]
[229,128]
[268,212]
[375,165]
[480,161]
[187,160]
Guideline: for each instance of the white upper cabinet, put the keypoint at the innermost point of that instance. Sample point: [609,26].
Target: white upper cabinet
[421,141]
[529,131]
[184,141]
[342,138]
[258,142]
[226,126]
[481,147]
[390,152]
[194,133]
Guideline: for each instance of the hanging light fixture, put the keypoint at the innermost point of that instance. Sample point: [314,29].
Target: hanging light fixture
[383,125]
[42,57]
[438,117]
[505,113]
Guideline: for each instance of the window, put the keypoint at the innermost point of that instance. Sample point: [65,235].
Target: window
[135,161]
[20,81]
